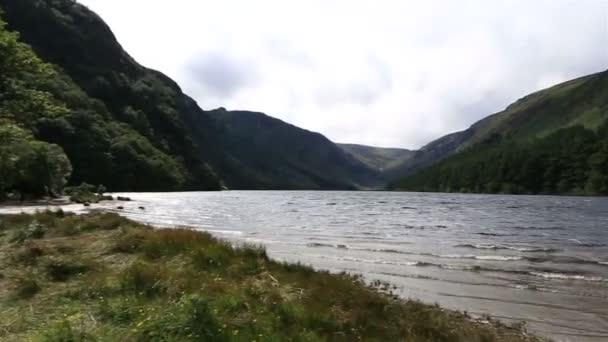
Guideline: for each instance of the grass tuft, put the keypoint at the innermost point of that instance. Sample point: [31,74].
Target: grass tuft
[27,287]
[59,270]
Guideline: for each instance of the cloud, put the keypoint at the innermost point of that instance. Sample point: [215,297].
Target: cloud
[220,76]
[387,72]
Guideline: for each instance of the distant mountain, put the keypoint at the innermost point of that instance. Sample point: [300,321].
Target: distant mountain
[524,139]
[132,128]
[378,158]
[272,154]
[576,102]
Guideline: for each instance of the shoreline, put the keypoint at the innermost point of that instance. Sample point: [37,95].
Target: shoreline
[466,324]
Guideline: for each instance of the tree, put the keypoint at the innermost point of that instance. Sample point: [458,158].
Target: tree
[28,166]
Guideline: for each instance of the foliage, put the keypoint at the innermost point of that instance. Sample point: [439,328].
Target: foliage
[29,166]
[120,124]
[570,161]
[184,285]
[54,127]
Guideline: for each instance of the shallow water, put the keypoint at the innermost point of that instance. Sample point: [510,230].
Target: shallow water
[541,259]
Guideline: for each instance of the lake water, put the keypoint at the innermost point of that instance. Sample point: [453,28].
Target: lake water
[539,259]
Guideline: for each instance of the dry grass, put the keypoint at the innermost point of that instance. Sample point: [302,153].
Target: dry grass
[102,277]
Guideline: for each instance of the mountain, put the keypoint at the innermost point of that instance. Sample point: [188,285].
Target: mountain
[133,129]
[272,154]
[533,116]
[378,158]
[552,141]
[125,126]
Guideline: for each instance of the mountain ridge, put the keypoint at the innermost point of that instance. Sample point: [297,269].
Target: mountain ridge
[523,137]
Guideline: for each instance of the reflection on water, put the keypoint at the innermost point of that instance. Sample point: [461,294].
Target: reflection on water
[540,259]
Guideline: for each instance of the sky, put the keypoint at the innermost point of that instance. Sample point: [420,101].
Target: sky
[390,73]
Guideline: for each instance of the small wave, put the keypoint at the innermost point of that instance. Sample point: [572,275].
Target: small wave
[537,228]
[494,234]
[385,262]
[587,244]
[562,276]
[498,257]
[479,257]
[496,247]
[226,232]
[523,287]
[564,260]
[318,244]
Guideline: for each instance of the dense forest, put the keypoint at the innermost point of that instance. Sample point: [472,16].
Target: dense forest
[570,161]
[51,129]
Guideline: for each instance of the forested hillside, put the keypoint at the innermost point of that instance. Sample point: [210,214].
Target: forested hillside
[46,121]
[272,154]
[581,101]
[124,126]
[132,128]
[553,141]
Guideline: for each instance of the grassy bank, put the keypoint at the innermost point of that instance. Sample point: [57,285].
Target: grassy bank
[101,277]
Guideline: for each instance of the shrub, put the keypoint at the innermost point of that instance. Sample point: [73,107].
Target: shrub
[29,254]
[27,288]
[212,257]
[34,230]
[62,270]
[143,279]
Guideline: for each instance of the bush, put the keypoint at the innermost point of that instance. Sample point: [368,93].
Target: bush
[212,257]
[27,288]
[34,230]
[29,254]
[142,279]
[62,271]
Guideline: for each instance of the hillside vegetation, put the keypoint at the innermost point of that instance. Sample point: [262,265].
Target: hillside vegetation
[100,277]
[41,103]
[553,141]
[131,128]
[272,154]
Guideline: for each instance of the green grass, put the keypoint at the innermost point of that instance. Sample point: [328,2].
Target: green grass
[101,277]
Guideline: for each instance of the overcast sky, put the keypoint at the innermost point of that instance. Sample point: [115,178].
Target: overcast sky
[385,72]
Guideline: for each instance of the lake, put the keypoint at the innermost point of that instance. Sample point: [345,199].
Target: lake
[540,259]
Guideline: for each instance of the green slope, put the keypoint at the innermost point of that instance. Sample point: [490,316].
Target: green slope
[577,102]
[523,139]
[272,154]
[124,126]
[378,158]
[50,128]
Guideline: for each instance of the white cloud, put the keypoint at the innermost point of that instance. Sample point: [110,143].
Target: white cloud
[386,72]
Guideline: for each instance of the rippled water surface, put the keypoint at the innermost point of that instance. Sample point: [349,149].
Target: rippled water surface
[535,258]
